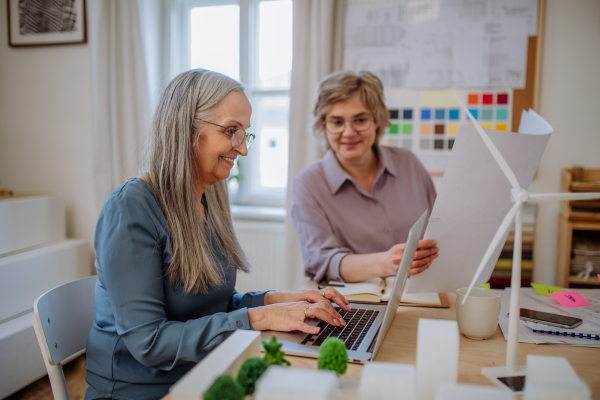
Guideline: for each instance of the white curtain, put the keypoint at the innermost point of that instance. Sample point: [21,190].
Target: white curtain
[318,48]
[121,113]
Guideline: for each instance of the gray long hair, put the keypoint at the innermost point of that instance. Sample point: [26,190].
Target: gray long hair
[196,245]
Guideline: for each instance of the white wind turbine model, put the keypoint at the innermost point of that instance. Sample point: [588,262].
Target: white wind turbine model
[519,196]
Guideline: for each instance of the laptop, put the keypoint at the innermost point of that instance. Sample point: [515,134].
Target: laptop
[366,324]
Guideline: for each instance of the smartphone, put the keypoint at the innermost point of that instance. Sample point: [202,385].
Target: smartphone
[550,319]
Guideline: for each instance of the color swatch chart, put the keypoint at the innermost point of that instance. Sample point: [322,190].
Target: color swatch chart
[428,121]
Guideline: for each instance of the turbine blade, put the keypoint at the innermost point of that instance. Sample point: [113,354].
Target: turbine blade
[493,149]
[565,196]
[504,227]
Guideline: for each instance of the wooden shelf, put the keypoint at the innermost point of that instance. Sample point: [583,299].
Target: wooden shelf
[592,280]
[9,195]
[575,216]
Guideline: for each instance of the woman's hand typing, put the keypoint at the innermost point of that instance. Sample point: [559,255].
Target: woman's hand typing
[286,317]
[287,311]
[311,296]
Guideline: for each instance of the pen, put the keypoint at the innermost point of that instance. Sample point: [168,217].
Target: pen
[382,285]
[331,284]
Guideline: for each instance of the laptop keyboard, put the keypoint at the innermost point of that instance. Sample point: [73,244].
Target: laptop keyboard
[358,323]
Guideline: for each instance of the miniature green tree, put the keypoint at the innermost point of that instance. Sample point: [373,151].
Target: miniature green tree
[274,356]
[224,388]
[249,373]
[333,355]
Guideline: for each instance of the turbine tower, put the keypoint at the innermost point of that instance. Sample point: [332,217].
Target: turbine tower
[519,196]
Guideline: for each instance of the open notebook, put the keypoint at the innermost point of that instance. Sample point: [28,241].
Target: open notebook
[369,291]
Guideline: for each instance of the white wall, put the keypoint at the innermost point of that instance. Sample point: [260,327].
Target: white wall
[569,101]
[45,126]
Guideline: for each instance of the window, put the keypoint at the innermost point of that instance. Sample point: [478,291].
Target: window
[251,41]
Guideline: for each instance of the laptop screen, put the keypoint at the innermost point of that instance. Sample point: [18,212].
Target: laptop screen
[401,277]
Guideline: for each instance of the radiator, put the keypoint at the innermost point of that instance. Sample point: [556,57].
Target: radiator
[264,245]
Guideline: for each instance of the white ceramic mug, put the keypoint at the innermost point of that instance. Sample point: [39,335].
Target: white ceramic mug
[478,317]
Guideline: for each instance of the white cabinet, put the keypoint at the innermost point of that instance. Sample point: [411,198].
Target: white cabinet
[35,256]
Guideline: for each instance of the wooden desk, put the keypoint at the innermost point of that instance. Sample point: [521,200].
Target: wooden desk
[400,346]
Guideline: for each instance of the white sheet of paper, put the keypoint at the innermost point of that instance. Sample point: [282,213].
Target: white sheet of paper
[527,9]
[430,55]
[422,45]
[389,64]
[470,55]
[508,52]
[473,199]
[531,300]
[374,25]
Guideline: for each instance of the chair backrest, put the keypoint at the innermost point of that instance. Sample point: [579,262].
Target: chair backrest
[62,320]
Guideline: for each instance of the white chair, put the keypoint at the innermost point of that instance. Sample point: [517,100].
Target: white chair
[62,320]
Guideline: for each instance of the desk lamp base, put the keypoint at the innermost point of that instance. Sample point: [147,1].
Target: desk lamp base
[512,382]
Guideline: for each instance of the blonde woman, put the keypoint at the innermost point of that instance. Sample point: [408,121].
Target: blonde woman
[167,255]
[352,210]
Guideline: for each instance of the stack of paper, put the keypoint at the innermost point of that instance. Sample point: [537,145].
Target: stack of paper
[533,301]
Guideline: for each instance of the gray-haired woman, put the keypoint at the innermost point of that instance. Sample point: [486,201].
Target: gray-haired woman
[167,255]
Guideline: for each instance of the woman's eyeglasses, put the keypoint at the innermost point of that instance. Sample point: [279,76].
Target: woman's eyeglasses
[237,135]
[336,126]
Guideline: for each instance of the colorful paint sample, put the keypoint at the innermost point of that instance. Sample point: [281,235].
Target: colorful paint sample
[502,114]
[453,129]
[474,112]
[439,98]
[487,114]
[425,129]
[428,121]
[425,114]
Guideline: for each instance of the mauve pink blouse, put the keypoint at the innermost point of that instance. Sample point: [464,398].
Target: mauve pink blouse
[333,216]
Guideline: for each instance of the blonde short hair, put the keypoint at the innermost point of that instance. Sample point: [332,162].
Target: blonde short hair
[343,85]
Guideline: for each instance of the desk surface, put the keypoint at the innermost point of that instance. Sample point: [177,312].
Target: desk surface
[400,346]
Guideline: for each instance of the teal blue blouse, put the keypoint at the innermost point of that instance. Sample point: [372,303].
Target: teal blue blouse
[145,334]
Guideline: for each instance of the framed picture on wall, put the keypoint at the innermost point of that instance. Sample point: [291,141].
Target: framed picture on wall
[48,22]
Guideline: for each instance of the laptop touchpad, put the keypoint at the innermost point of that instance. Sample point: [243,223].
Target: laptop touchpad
[312,321]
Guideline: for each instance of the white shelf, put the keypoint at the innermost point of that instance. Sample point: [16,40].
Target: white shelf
[30,221]
[25,276]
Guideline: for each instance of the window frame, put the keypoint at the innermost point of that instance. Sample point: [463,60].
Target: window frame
[249,191]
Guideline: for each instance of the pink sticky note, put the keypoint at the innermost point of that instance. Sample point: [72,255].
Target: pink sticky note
[570,299]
